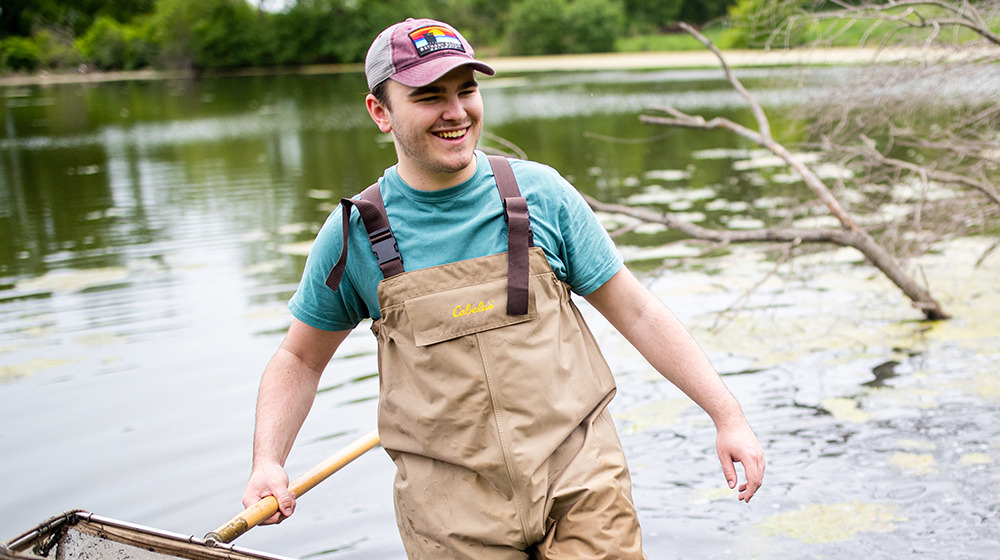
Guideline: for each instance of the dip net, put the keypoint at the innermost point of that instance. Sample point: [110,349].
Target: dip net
[80,535]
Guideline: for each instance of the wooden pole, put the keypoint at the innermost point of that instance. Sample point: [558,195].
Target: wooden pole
[257,513]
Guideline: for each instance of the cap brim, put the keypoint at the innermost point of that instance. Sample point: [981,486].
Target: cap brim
[426,73]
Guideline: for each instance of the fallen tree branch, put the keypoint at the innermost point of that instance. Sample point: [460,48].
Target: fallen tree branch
[859,240]
[852,235]
[937,175]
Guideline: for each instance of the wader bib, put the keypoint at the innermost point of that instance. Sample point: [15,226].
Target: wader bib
[493,396]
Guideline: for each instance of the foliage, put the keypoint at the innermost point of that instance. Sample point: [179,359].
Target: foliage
[703,11]
[19,53]
[536,27]
[481,21]
[18,16]
[368,18]
[671,41]
[109,44]
[652,15]
[754,21]
[557,26]
[207,33]
[57,47]
[594,25]
[793,23]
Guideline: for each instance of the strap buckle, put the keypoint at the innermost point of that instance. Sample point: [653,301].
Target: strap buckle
[384,246]
[506,218]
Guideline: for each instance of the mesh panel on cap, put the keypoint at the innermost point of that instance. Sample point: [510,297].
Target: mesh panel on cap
[378,63]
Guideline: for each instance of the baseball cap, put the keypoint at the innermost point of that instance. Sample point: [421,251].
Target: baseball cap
[416,52]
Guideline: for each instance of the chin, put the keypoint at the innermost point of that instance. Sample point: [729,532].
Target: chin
[459,162]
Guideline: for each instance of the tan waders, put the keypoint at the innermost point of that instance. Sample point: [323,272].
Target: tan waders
[493,406]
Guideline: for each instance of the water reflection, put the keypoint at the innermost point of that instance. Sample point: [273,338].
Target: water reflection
[151,233]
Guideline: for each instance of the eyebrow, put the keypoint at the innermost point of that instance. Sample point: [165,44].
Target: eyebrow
[424,90]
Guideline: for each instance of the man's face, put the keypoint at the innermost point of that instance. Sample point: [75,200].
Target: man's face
[435,128]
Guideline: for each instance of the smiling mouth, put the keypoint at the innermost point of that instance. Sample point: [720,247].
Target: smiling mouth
[451,135]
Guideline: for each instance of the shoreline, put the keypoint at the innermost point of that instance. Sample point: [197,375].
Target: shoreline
[666,60]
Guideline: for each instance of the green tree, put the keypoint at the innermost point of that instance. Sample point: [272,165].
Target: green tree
[324,31]
[369,17]
[703,11]
[19,53]
[536,27]
[480,21]
[646,16]
[209,34]
[57,47]
[18,17]
[753,22]
[111,45]
[594,25]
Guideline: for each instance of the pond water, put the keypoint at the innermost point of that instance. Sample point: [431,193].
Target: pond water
[152,232]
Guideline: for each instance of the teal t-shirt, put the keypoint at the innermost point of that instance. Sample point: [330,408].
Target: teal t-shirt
[439,227]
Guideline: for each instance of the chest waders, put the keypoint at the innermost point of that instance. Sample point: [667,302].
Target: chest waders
[493,396]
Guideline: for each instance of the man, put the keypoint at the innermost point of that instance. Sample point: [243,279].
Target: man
[492,401]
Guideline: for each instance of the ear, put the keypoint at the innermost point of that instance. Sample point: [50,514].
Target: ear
[378,113]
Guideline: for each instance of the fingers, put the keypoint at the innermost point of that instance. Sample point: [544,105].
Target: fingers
[729,470]
[270,481]
[754,471]
[286,505]
[738,444]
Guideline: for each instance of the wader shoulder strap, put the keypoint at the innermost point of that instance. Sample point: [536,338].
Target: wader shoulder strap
[383,243]
[519,235]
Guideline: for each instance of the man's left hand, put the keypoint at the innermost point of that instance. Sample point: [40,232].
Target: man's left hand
[738,444]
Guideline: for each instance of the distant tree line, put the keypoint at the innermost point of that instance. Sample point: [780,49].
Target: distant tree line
[211,34]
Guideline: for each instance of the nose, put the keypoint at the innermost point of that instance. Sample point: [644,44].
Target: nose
[454,109]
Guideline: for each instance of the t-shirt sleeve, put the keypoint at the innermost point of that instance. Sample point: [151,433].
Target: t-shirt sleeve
[591,258]
[577,246]
[314,303]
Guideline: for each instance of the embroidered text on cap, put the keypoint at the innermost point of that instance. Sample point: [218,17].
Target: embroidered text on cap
[435,38]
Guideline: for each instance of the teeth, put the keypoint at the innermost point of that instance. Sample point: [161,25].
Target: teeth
[455,134]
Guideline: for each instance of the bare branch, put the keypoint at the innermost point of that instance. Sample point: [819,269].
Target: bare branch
[812,181]
[741,302]
[987,252]
[967,15]
[943,176]
[758,112]
[819,235]
[852,235]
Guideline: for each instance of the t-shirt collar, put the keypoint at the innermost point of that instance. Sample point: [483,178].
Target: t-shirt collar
[397,184]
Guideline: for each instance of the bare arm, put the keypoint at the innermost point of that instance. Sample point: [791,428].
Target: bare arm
[661,338]
[286,394]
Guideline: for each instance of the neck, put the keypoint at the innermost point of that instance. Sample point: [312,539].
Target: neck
[430,181]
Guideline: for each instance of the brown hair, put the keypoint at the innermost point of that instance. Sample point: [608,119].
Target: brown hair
[381,93]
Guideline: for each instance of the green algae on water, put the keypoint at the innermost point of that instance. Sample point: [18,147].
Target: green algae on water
[823,523]
[658,414]
[915,464]
[845,409]
[17,371]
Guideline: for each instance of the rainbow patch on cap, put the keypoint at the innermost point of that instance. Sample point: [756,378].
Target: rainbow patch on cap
[435,38]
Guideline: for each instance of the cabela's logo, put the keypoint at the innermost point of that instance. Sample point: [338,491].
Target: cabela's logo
[469,309]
